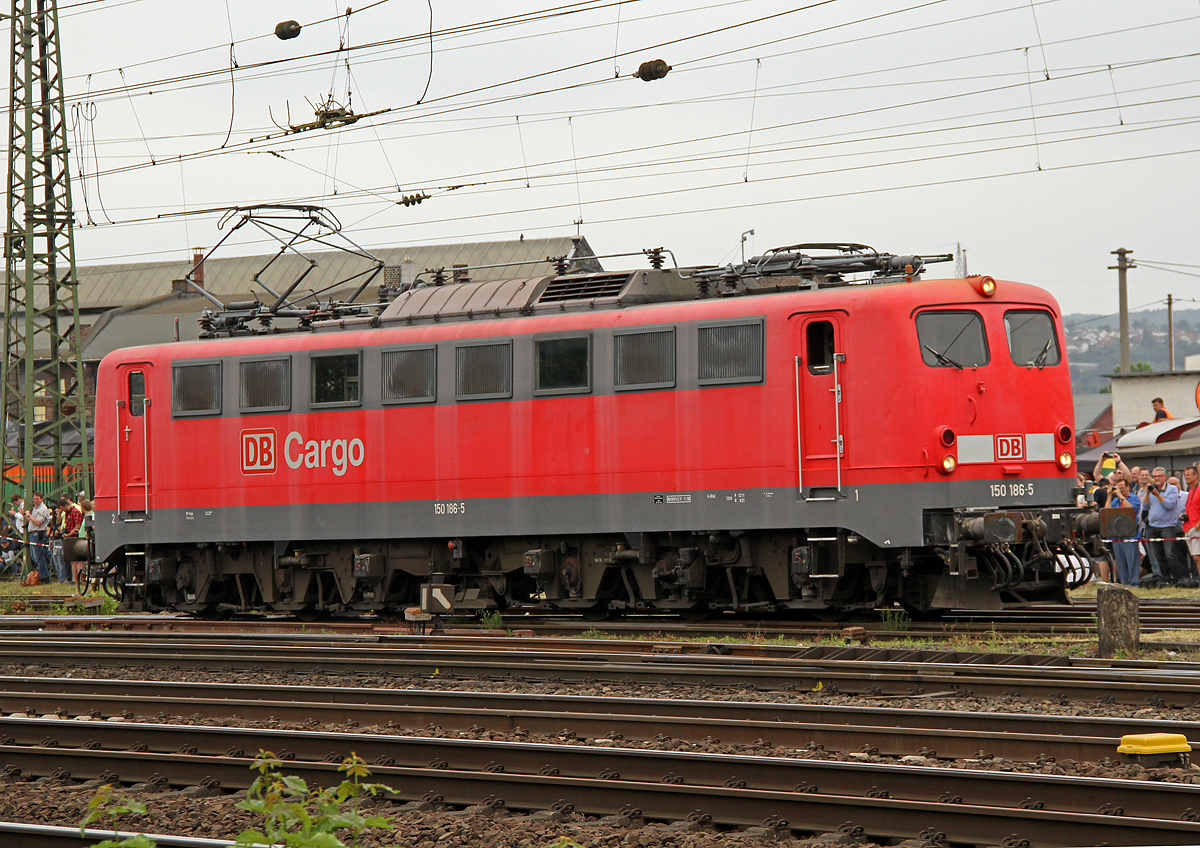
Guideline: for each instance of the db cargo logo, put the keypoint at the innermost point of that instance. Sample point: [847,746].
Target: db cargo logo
[1010,448]
[258,451]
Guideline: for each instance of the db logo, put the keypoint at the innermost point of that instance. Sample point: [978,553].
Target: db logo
[258,451]
[1010,448]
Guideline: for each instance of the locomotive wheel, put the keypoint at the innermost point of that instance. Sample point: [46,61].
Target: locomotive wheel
[700,612]
[599,612]
[829,614]
[309,615]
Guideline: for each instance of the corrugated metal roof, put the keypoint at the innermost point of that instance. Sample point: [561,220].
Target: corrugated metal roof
[142,310]
[122,284]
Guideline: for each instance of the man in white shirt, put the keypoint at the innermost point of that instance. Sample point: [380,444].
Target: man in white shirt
[39,527]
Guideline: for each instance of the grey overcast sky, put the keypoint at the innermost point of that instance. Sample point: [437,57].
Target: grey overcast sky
[1039,135]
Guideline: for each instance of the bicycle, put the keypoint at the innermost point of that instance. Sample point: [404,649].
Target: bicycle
[102,577]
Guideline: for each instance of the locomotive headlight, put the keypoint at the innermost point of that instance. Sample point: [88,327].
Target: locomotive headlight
[986,286]
[1065,459]
[949,463]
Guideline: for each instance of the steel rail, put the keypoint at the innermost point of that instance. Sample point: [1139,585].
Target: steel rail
[53,836]
[894,732]
[875,817]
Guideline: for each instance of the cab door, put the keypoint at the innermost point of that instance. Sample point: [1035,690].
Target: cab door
[820,374]
[133,441]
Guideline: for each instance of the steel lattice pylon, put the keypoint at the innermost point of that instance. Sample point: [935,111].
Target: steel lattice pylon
[42,391]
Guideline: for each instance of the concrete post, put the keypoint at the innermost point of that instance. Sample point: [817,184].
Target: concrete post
[1117,620]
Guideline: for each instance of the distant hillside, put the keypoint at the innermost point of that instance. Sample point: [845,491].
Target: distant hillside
[1094,344]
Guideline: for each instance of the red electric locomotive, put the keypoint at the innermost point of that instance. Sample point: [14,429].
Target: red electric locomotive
[773,436]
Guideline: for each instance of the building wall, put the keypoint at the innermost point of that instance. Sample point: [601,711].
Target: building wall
[1132,394]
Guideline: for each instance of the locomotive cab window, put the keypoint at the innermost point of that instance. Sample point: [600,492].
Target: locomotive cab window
[644,360]
[335,379]
[409,375]
[196,389]
[483,370]
[1032,340]
[818,339]
[265,384]
[562,365]
[137,393]
[952,339]
[730,353]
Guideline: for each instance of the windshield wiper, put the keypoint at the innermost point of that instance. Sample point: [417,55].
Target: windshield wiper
[1041,357]
[942,358]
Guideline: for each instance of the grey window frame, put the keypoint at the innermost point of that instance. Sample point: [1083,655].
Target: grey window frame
[640,387]
[251,410]
[383,374]
[137,410]
[572,390]
[987,348]
[197,413]
[1053,334]
[313,356]
[462,345]
[824,368]
[762,348]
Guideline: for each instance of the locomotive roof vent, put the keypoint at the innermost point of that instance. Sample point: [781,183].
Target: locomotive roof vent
[583,287]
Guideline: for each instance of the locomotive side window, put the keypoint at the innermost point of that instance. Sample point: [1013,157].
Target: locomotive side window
[1032,341]
[644,360]
[483,370]
[410,374]
[196,389]
[819,342]
[952,339]
[137,393]
[731,353]
[265,384]
[562,365]
[335,378]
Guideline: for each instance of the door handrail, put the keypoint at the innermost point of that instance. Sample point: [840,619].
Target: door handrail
[117,430]
[146,455]
[799,437]
[837,416]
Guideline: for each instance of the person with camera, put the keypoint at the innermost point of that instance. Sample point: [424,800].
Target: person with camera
[1107,464]
[1162,524]
[1126,554]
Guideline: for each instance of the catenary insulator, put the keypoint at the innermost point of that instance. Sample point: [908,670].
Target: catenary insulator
[655,69]
[286,29]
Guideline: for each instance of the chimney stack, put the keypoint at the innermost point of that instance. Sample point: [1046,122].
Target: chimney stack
[198,266]
[181,286]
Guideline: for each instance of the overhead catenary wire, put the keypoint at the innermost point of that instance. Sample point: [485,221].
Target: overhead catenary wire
[586,169]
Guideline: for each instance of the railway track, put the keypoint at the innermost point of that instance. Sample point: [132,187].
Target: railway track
[890,801]
[580,760]
[834,670]
[936,734]
[1071,620]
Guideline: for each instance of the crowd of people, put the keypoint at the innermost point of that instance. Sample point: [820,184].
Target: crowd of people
[31,538]
[1166,550]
